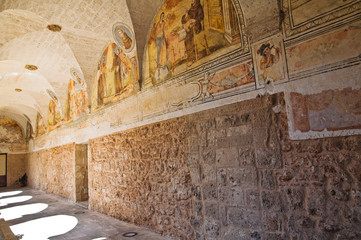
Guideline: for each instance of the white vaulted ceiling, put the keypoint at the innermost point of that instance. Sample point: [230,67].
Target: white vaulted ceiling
[26,40]
[86,29]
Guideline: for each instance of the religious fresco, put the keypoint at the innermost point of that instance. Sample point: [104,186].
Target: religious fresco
[115,78]
[124,37]
[77,102]
[10,131]
[336,46]
[269,61]
[329,110]
[302,15]
[39,126]
[186,32]
[54,113]
[237,76]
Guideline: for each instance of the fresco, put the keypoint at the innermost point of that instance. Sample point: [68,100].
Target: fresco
[186,32]
[329,110]
[335,46]
[124,37]
[269,61]
[10,132]
[306,14]
[54,113]
[115,77]
[77,102]
[241,75]
[29,131]
[40,126]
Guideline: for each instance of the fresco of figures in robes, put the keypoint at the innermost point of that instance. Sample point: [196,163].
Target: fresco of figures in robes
[77,102]
[115,77]
[54,113]
[186,33]
[10,132]
[40,126]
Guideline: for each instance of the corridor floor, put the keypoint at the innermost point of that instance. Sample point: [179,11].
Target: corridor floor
[33,214]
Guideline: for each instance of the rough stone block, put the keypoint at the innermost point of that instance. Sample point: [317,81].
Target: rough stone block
[227,121]
[246,156]
[223,215]
[236,234]
[316,202]
[212,228]
[238,141]
[245,177]
[209,173]
[273,221]
[211,210]
[334,145]
[193,160]
[196,222]
[271,201]
[244,218]
[231,196]
[262,118]
[227,157]
[209,191]
[222,177]
[269,158]
[268,179]
[208,155]
[295,198]
[239,130]
[197,208]
[252,199]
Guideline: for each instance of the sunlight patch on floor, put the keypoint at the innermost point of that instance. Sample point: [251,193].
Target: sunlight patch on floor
[19,211]
[11,193]
[44,228]
[6,201]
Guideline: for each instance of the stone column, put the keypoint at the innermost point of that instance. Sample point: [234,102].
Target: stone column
[231,28]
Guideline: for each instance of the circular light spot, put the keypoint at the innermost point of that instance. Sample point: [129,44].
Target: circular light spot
[130,234]
[18,90]
[54,27]
[31,67]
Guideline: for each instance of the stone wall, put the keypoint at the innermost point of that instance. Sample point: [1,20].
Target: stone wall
[81,172]
[229,173]
[53,170]
[15,167]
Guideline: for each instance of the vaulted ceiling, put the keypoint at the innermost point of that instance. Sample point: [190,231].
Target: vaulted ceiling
[86,29]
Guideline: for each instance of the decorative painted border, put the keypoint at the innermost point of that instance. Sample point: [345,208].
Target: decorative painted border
[326,68]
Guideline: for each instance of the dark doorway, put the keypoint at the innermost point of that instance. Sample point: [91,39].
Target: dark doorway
[3,169]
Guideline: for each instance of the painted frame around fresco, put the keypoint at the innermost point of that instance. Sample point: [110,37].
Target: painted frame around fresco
[119,40]
[278,71]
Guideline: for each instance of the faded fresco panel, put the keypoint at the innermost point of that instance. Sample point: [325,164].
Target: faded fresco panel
[303,15]
[190,32]
[329,48]
[269,61]
[115,78]
[10,132]
[308,10]
[77,103]
[329,110]
[237,76]
[39,126]
[54,113]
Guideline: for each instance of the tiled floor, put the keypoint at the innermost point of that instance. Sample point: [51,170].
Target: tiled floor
[45,216]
